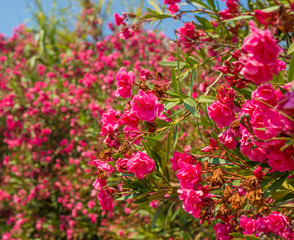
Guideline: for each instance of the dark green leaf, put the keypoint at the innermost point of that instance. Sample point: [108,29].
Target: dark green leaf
[191,106]
[204,22]
[238,18]
[291,49]
[175,81]
[235,234]
[206,99]
[274,187]
[291,69]
[156,214]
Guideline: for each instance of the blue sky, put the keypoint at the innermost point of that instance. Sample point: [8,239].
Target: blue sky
[15,12]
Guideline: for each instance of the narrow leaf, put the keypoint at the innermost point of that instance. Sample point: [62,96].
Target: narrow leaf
[190,104]
[156,214]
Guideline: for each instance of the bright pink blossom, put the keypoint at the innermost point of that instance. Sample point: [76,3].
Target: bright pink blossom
[222,231]
[281,161]
[105,199]
[221,113]
[146,106]
[180,160]
[248,225]
[213,145]
[173,8]
[260,52]
[121,164]
[118,20]
[140,164]
[225,94]
[258,172]
[194,200]
[228,139]
[277,222]
[189,176]
[124,82]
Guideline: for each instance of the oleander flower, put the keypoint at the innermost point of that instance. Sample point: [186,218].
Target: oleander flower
[189,176]
[140,164]
[146,106]
[221,113]
[124,82]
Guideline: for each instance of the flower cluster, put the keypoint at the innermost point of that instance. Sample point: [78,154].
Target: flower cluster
[260,51]
[273,223]
[262,127]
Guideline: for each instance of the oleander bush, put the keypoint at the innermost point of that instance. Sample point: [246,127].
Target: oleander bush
[137,136]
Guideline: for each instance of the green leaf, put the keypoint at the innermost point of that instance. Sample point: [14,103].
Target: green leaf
[155,6]
[191,106]
[129,196]
[176,135]
[206,99]
[193,78]
[271,9]
[274,187]
[251,237]
[238,18]
[291,69]
[291,49]
[170,105]
[156,214]
[175,82]
[204,22]
[236,234]
[167,215]
[161,123]
[172,64]
[167,152]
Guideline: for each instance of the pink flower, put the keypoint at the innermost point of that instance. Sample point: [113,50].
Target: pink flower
[221,114]
[262,225]
[248,224]
[282,65]
[263,17]
[258,172]
[124,82]
[180,160]
[257,154]
[281,161]
[264,93]
[121,164]
[146,106]
[110,122]
[103,166]
[187,32]
[228,139]
[171,1]
[225,94]
[256,71]
[277,222]
[189,176]
[118,20]
[140,164]
[126,33]
[99,183]
[173,8]
[222,231]
[194,200]
[260,52]
[129,118]
[261,45]
[105,199]
[213,145]
[132,133]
